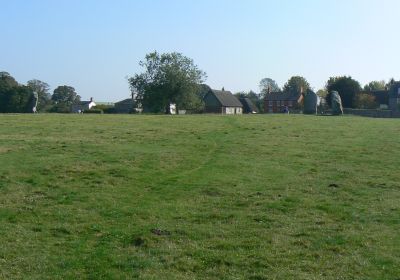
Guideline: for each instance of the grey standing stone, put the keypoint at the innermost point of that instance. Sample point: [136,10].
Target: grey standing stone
[310,103]
[35,102]
[337,107]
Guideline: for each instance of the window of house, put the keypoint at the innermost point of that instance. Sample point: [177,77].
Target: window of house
[290,103]
[270,103]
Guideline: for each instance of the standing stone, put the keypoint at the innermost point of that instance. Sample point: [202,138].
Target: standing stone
[35,102]
[310,103]
[337,107]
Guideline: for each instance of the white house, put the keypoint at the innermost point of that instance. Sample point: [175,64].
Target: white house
[83,106]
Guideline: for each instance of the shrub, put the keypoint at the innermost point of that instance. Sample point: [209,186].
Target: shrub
[365,101]
[109,110]
[60,108]
[93,111]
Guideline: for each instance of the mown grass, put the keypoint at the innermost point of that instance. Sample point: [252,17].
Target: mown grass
[199,197]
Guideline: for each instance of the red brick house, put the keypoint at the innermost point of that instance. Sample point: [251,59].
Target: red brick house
[275,102]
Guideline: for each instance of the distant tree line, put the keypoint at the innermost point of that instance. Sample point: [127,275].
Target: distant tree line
[172,78]
[19,98]
[154,90]
[349,89]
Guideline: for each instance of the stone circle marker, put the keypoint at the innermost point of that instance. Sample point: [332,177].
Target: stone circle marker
[337,107]
[35,102]
[310,103]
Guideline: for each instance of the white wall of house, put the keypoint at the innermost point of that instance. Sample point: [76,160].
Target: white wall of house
[233,110]
[172,109]
[229,110]
[91,105]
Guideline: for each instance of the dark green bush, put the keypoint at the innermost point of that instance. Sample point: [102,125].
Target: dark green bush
[93,111]
[110,110]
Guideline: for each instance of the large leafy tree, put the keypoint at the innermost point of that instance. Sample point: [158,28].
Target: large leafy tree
[391,82]
[254,97]
[375,85]
[347,88]
[203,90]
[296,84]
[268,85]
[14,98]
[43,91]
[322,93]
[167,78]
[365,101]
[7,81]
[63,97]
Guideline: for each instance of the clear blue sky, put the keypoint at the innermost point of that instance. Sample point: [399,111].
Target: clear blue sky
[93,45]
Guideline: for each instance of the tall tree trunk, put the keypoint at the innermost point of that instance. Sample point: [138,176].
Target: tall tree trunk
[168,109]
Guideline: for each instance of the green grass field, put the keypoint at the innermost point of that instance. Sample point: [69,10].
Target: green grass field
[199,197]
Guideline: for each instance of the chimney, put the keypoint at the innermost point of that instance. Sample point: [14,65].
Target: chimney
[223,89]
[91,99]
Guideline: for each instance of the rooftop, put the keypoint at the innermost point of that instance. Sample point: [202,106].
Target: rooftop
[273,96]
[226,98]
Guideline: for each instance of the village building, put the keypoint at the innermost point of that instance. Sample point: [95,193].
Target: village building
[387,98]
[172,109]
[222,102]
[124,106]
[83,106]
[248,106]
[276,102]
[394,97]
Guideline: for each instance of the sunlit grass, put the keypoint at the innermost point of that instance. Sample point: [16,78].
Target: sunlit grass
[199,197]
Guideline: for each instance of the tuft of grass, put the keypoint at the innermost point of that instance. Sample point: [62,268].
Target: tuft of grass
[199,197]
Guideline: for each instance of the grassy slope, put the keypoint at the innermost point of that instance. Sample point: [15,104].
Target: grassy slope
[250,197]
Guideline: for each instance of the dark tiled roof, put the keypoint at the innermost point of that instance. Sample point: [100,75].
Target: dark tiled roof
[276,96]
[125,101]
[248,104]
[84,102]
[226,98]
